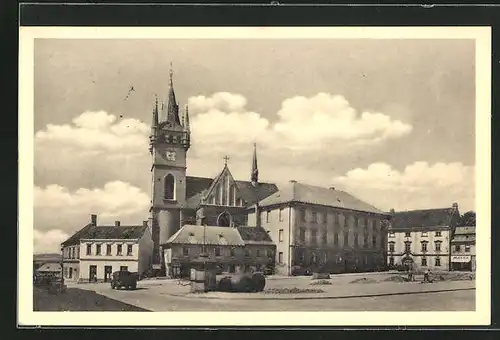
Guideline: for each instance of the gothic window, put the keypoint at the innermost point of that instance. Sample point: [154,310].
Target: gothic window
[224,193]
[217,195]
[224,219]
[169,187]
[231,195]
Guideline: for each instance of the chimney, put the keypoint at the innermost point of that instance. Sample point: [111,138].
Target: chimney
[117,223]
[392,211]
[145,223]
[93,219]
[455,206]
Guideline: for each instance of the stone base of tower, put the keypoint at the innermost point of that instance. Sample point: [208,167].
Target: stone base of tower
[165,224]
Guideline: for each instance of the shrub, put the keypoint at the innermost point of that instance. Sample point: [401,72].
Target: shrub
[259,281]
[320,282]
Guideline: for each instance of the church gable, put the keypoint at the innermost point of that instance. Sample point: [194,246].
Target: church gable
[224,191]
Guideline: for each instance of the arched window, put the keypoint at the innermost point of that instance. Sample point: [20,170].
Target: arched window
[169,187]
[224,219]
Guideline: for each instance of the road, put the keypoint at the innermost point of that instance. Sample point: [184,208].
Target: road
[154,298]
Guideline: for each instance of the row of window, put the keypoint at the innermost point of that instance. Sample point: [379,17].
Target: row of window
[423,261]
[422,234]
[108,249]
[458,248]
[437,246]
[72,253]
[324,238]
[232,252]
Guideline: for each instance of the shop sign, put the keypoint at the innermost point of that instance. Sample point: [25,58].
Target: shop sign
[460,258]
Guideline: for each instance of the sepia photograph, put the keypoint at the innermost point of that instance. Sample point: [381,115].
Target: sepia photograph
[284,171]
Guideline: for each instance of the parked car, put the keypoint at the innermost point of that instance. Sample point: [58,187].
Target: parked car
[124,278]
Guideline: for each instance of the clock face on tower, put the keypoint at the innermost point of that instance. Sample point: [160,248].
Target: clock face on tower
[170,155]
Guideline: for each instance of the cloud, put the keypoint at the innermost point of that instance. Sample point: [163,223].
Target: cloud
[59,211]
[418,185]
[302,124]
[49,241]
[96,131]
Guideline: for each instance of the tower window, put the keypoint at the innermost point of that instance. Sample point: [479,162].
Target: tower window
[169,187]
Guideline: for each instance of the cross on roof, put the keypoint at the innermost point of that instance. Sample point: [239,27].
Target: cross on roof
[226,158]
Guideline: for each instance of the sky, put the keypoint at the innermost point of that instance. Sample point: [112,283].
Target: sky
[390,121]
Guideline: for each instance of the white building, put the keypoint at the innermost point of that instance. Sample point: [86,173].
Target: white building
[422,238]
[93,253]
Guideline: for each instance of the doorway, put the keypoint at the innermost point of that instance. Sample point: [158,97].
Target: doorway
[92,273]
[107,273]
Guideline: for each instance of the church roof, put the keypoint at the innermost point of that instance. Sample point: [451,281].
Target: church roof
[91,232]
[309,194]
[422,219]
[197,186]
[254,235]
[210,235]
[49,268]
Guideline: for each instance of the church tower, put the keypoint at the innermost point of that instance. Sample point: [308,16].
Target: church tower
[169,143]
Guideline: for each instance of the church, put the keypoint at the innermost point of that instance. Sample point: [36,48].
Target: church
[182,204]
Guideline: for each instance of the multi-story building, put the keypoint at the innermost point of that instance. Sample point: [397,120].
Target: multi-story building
[463,248]
[94,252]
[321,229]
[422,238]
[240,249]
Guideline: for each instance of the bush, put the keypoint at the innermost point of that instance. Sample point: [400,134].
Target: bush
[224,285]
[259,281]
[320,282]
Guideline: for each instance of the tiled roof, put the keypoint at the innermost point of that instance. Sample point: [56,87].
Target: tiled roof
[107,232]
[254,235]
[252,194]
[309,194]
[75,238]
[196,185]
[464,238]
[196,234]
[422,218]
[49,267]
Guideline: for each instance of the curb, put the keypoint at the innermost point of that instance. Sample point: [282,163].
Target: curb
[319,297]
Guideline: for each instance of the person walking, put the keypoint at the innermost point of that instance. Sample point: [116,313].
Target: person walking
[427,275]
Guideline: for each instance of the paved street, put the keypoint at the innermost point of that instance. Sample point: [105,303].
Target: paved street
[156,295]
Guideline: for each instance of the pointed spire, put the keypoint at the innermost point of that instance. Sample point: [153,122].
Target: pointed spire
[255,169]
[186,118]
[154,123]
[171,114]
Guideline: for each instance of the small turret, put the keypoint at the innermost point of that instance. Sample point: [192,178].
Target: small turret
[154,127]
[186,134]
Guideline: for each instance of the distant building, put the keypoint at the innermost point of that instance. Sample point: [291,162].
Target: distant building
[95,252]
[52,269]
[422,238]
[240,249]
[463,248]
[321,229]
[41,259]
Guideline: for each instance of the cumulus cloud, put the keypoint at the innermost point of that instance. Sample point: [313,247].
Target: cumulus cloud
[49,241]
[302,123]
[97,131]
[418,185]
[60,212]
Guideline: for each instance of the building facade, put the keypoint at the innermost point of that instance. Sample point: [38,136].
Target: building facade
[320,229]
[95,252]
[463,248]
[421,238]
[240,249]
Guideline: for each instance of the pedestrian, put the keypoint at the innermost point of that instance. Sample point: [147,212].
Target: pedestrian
[427,275]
